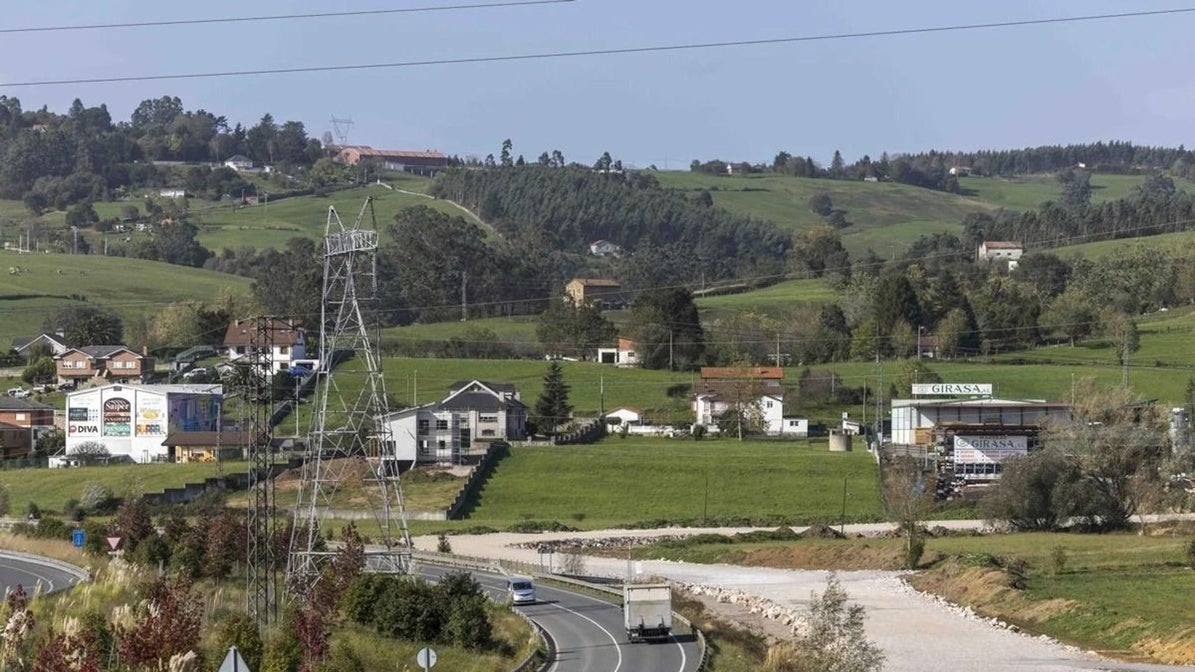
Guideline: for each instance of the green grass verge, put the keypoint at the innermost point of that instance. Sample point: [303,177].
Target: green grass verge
[51,488]
[624,481]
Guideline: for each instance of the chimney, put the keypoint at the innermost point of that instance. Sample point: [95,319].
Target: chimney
[144,350]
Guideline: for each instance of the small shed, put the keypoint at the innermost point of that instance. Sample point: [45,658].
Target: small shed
[628,415]
[206,446]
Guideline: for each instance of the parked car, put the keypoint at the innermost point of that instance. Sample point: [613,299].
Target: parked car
[299,371]
[198,372]
[19,393]
[68,386]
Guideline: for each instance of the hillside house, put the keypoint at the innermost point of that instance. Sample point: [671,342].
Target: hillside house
[605,248]
[626,415]
[22,422]
[427,162]
[1001,250]
[54,343]
[288,337]
[960,171]
[722,389]
[439,433]
[239,163]
[622,354]
[113,363]
[172,193]
[601,292]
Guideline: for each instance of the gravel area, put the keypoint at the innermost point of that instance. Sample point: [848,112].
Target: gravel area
[918,633]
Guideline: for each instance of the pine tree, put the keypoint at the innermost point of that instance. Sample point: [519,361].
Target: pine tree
[553,410]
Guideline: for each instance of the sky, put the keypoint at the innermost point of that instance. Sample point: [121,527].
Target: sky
[1123,79]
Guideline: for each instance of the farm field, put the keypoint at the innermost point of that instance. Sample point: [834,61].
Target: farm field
[1029,192]
[514,331]
[620,481]
[130,286]
[1103,248]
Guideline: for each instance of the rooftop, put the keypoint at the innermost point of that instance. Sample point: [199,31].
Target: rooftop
[13,404]
[742,372]
[281,332]
[595,282]
[1002,245]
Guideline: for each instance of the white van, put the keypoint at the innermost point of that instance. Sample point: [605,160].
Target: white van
[521,590]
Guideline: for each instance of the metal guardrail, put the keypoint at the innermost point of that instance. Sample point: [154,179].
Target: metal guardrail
[79,573]
[530,569]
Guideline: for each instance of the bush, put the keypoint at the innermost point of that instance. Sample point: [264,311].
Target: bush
[40,370]
[698,432]
[1058,560]
[241,631]
[1017,570]
[342,658]
[443,545]
[96,497]
[913,552]
[1191,554]
[5,500]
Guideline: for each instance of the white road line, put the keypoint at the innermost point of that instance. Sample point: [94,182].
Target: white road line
[617,648]
[683,659]
[23,570]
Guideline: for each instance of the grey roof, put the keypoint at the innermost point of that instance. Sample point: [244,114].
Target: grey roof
[14,404]
[477,401]
[497,387]
[22,343]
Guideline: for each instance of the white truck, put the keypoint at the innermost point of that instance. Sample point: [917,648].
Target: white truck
[647,611]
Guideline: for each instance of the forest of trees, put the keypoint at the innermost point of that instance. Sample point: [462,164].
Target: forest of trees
[51,159]
[671,238]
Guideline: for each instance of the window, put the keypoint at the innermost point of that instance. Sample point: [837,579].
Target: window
[283,350]
[240,349]
[441,424]
[769,404]
[423,426]
[442,444]
[488,418]
[424,448]
[487,432]
[21,417]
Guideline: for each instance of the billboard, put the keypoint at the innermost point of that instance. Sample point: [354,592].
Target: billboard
[151,414]
[83,415]
[988,449]
[117,417]
[952,389]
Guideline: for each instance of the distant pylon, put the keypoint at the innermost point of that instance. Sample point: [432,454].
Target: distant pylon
[341,128]
[346,433]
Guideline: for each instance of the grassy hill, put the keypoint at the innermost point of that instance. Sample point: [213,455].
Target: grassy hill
[46,282]
[1101,248]
[882,213]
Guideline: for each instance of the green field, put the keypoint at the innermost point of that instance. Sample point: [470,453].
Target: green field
[514,331]
[621,481]
[1102,248]
[51,488]
[1030,191]
[130,286]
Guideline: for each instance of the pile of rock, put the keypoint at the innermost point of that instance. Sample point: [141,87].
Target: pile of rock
[795,619]
[557,545]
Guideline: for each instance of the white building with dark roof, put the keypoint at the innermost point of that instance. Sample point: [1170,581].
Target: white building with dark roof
[132,421]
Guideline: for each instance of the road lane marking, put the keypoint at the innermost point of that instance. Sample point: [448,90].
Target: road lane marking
[23,570]
[617,648]
[683,659]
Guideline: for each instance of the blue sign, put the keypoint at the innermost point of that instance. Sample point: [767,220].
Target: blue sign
[78,537]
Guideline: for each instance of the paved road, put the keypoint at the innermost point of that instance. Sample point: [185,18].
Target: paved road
[30,575]
[589,633]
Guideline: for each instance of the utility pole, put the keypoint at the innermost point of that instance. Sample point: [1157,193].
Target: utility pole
[778,349]
[879,402]
[464,295]
[1124,365]
[669,349]
[602,395]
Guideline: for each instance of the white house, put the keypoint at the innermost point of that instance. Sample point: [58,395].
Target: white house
[132,421]
[604,248]
[288,337]
[795,427]
[626,415]
[173,193]
[623,354]
[707,406]
[56,344]
[424,435]
[239,162]
[1000,250]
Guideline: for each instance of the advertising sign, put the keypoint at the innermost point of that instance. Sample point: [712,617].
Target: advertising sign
[151,414]
[118,413]
[83,416]
[988,449]
[953,389]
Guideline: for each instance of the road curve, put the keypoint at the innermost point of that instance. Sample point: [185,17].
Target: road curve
[32,575]
[589,632]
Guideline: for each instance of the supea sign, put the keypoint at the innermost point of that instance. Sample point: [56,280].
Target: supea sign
[953,389]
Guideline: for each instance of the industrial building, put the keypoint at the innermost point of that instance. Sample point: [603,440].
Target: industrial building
[973,436]
[133,421]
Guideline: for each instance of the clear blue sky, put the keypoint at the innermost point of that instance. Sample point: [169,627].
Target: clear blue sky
[1127,79]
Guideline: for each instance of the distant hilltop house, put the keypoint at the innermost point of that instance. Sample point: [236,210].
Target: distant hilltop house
[622,354]
[427,162]
[1001,250]
[960,171]
[239,163]
[601,292]
[172,193]
[604,248]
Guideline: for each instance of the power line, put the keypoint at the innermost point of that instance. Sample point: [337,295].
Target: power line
[276,17]
[596,52]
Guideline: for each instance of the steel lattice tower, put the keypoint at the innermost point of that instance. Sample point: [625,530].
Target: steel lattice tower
[345,423]
[253,383]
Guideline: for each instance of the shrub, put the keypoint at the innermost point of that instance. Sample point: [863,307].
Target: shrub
[1058,560]
[1191,554]
[32,510]
[1017,570]
[5,500]
[913,552]
[342,658]
[698,432]
[241,631]
[443,545]
[95,497]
